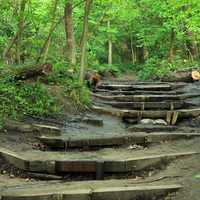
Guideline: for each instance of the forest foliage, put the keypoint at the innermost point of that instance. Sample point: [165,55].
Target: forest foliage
[146,36]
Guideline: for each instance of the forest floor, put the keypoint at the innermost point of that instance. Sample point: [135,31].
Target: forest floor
[180,170]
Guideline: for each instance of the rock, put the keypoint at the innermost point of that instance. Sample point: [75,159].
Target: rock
[146,121]
[153,122]
[12,176]
[135,146]
[160,122]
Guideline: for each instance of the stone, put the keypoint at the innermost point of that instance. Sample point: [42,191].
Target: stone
[146,121]
[160,122]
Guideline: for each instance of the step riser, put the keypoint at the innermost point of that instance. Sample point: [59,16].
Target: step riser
[136,92]
[109,166]
[145,98]
[143,140]
[156,114]
[145,105]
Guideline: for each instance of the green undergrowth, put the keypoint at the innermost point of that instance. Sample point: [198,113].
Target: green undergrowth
[24,98]
[73,89]
[155,68]
[197,176]
[32,97]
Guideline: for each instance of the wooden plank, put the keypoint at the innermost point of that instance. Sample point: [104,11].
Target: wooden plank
[144,105]
[93,142]
[14,159]
[136,92]
[84,164]
[156,114]
[136,87]
[160,128]
[46,129]
[126,139]
[125,191]
[76,166]
[144,98]
[174,117]
[130,194]
[159,137]
[151,128]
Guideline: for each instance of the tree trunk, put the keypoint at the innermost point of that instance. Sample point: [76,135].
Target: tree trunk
[191,45]
[133,52]
[20,30]
[83,45]
[140,55]
[71,51]
[45,49]
[171,48]
[7,50]
[109,45]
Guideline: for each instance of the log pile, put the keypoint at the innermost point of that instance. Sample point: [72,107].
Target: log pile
[33,72]
[184,75]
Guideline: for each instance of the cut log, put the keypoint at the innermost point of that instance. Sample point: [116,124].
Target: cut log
[33,71]
[185,75]
[195,75]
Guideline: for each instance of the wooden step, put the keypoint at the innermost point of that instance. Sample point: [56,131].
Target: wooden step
[109,161]
[148,128]
[135,92]
[90,190]
[153,114]
[135,82]
[132,85]
[164,105]
[108,140]
[144,98]
[136,87]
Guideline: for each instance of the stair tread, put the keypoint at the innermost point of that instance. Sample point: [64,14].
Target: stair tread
[90,140]
[86,188]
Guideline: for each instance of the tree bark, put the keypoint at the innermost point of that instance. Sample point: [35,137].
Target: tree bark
[133,51]
[8,49]
[69,30]
[192,49]
[171,48]
[84,37]
[45,49]
[20,30]
[109,45]
[140,55]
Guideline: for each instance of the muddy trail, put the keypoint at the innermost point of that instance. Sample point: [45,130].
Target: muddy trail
[139,142]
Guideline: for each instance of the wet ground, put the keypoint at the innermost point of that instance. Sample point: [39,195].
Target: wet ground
[183,171]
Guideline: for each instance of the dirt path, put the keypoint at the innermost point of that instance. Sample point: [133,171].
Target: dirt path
[140,162]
